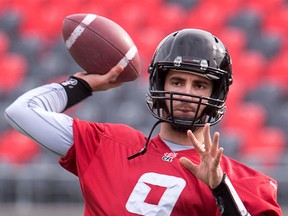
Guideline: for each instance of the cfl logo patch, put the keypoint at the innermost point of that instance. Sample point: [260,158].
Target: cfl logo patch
[169,156]
[70,82]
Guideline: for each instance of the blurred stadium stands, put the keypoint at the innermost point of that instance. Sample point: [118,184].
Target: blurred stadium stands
[32,52]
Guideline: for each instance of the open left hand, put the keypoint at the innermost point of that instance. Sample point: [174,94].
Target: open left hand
[209,170]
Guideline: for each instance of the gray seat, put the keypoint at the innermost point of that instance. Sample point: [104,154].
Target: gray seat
[10,22]
[186,4]
[247,20]
[268,44]
[272,97]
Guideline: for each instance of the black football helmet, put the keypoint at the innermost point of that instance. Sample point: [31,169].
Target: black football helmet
[201,53]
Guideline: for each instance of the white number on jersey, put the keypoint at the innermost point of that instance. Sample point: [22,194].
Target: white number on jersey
[136,202]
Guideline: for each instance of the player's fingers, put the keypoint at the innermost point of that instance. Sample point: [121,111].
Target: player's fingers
[207,137]
[112,75]
[80,74]
[188,164]
[218,157]
[197,145]
[215,144]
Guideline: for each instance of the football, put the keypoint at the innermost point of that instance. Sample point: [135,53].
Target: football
[97,44]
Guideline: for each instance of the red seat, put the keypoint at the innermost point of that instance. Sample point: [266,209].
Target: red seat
[248,122]
[28,7]
[131,17]
[46,23]
[17,148]
[267,146]
[277,22]
[250,67]
[206,16]
[14,68]
[265,7]
[277,70]
[146,46]
[235,40]
[229,7]
[4,43]
[167,18]
[245,119]
[236,94]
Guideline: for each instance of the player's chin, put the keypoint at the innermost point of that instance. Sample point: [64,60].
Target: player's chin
[182,125]
[184,115]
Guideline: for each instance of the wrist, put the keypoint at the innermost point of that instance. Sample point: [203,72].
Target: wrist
[220,184]
[76,89]
[227,199]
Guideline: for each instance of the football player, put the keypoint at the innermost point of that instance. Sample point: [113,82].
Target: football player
[180,171]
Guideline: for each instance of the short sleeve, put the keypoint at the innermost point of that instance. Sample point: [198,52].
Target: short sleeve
[68,162]
[87,138]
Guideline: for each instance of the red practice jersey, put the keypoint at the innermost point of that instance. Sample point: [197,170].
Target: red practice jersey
[154,183]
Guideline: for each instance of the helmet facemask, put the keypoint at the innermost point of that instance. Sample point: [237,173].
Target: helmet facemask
[198,52]
[161,102]
[194,51]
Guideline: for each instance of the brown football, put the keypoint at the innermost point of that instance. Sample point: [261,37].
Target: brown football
[97,44]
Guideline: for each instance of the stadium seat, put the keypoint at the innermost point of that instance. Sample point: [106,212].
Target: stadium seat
[267,146]
[14,68]
[272,97]
[269,94]
[247,20]
[167,18]
[267,43]
[231,142]
[10,22]
[147,42]
[264,7]
[231,6]
[186,4]
[206,16]
[280,116]
[277,70]
[3,105]
[4,43]
[17,148]
[45,22]
[277,22]
[246,119]
[235,40]
[249,68]
[237,93]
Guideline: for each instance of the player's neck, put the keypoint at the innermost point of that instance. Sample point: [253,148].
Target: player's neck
[168,133]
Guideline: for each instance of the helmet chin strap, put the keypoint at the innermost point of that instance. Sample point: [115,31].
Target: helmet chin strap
[177,127]
[144,149]
[182,125]
[183,128]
